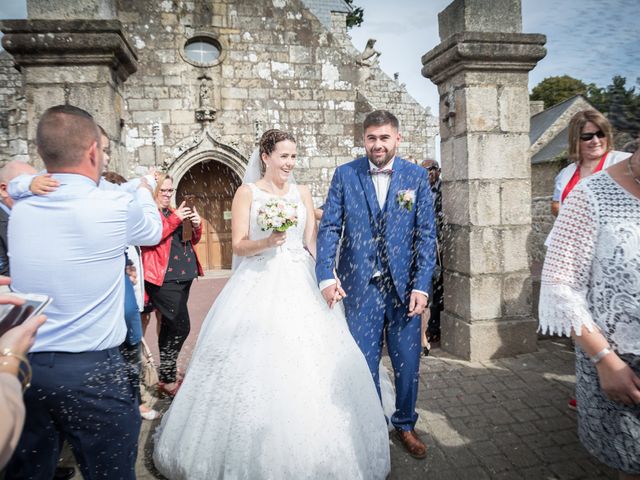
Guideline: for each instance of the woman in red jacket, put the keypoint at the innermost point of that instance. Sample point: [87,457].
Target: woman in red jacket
[169,270]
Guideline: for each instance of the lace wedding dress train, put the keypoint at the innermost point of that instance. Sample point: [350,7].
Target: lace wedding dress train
[276,388]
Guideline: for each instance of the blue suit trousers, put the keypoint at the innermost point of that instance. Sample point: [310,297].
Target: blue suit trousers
[87,399]
[382,313]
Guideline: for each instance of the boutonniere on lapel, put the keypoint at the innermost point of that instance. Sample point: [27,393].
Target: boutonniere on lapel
[406,199]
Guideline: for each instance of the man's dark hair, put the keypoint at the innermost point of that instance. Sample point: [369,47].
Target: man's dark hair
[64,134]
[379,118]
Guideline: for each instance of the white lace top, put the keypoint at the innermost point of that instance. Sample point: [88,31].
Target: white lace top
[591,274]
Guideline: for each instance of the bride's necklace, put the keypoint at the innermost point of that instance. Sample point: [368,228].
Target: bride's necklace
[633,175]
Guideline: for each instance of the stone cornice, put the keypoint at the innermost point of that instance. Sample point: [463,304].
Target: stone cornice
[478,51]
[69,42]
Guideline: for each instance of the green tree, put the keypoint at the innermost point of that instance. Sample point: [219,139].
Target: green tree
[620,104]
[553,90]
[356,16]
[598,97]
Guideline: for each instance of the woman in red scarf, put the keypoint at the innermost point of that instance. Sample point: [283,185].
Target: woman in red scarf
[590,149]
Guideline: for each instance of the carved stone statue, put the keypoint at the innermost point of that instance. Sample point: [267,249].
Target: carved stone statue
[369,56]
[205,112]
[205,94]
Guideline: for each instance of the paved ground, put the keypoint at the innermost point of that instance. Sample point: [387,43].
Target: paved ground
[500,419]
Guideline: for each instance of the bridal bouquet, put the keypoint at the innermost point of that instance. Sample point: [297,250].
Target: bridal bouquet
[277,214]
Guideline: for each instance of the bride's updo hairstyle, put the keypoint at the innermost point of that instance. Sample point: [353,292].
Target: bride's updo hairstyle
[268,143]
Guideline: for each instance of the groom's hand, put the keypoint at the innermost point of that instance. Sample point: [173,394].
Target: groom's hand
[417,303]
[333,294]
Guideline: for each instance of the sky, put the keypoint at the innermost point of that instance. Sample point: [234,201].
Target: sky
[587,39]
[591,40]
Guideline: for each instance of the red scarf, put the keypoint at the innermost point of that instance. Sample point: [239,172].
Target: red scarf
[576,176]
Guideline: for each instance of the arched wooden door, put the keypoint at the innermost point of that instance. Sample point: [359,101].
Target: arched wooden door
[213,185]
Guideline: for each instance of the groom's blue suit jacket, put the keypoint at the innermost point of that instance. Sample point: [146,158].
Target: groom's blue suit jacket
[351,212]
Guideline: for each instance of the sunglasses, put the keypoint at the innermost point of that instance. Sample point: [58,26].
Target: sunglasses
[167,190]
[432,168]
[585,137]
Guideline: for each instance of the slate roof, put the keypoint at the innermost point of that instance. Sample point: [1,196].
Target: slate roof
[554,148]
[542,121]
[547,119]
[323,8]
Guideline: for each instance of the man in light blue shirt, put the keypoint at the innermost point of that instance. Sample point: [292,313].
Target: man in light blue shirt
[70,245]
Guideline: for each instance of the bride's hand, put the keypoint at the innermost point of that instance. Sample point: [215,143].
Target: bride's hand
[340,293]
[276,239]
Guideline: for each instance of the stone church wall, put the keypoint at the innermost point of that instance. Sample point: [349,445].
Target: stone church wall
[281,68]
[13,144]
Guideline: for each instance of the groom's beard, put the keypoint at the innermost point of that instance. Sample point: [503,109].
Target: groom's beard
[380,162]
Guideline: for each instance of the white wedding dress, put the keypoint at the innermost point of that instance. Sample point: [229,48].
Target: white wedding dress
[277,388]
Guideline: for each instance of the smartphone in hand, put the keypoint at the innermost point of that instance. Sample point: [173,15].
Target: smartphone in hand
[187,228]
[14,315]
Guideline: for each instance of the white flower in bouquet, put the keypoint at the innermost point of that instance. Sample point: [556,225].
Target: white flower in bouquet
[277,214]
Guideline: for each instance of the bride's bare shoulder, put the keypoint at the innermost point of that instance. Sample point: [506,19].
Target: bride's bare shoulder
[304,191]
[243,192]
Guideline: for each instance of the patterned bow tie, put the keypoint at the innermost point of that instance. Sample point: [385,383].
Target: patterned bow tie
[375,171]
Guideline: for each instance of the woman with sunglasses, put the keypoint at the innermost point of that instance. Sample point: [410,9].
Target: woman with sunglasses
[590,150]
[169,269]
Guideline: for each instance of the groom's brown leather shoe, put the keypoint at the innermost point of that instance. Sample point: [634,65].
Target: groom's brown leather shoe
[412,443]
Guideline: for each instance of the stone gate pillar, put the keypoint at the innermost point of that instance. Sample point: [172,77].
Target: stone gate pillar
[481,69]
[72,52]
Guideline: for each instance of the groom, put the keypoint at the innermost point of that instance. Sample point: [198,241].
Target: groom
[379,209]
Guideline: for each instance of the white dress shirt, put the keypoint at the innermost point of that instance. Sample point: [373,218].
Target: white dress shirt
[381,182]
[70,244]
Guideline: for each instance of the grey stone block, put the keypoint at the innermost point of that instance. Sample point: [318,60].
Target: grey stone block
[480,16]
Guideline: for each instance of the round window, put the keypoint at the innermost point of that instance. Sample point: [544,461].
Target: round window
[202,50]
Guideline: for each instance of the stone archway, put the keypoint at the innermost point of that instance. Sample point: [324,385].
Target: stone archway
[212,172]
[212,185]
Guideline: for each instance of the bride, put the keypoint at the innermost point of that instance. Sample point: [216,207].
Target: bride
[276,388]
